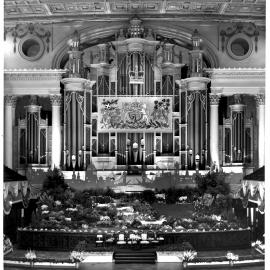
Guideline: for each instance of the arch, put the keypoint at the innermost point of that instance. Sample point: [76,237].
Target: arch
[182,34]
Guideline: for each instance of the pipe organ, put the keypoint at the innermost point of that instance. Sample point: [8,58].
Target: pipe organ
[238,135]
[140,107]
[33,136]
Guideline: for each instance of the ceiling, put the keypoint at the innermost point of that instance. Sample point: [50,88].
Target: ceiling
[65,10]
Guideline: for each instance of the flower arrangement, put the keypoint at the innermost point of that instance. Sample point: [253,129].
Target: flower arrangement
[76,256]
[258,245]
[58,203]
[7,245]
[44,207]
[231,256]
[30,255]
[189,255]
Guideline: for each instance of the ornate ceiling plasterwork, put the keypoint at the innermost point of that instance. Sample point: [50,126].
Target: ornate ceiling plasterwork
[63,9]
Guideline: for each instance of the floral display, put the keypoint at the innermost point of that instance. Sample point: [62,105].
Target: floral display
[76,256]
[30,255]
[102,209]
[82,211]
[231,256]
[189,255]
[7,246]
[259,246]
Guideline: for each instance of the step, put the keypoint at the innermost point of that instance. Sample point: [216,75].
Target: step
[134,258]
[137,262]
[134,254]
[146,257]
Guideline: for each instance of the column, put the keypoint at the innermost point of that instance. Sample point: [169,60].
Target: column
[214,100]
[56,130]
[74,124]
[260,99]
[10,104]
[90,125]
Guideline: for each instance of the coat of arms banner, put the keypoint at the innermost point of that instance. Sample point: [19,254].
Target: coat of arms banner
[134,114]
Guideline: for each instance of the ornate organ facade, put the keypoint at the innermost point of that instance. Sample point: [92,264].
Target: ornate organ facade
[136,100]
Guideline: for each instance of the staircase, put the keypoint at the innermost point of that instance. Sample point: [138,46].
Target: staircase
[134,256]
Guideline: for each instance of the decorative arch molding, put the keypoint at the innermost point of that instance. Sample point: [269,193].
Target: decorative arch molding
[182,34]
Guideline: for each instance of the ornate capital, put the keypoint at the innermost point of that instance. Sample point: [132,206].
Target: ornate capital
[56,100]
[214,99]
[10,101]
[260,99]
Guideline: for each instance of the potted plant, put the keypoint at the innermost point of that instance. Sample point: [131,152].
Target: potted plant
[31,256]
[76,257]
[232,258]
[188,256]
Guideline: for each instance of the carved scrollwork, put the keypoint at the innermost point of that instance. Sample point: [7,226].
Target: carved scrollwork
[260,99]
[80,100]
[190,99]
[214,99]
[10,101]
[56,100]
[249,29]
[67,100]
[21,30]
[203,99]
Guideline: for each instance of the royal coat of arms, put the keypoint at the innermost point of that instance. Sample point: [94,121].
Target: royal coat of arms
[135,113]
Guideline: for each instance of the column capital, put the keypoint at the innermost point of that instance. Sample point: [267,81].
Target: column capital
[214,99]
[10,101]
[56,100]
[260,99]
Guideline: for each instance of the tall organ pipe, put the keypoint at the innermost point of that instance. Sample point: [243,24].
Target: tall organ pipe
[74,124]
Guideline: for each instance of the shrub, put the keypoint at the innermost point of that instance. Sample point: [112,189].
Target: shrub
[55,185]
[212,183]
[112,212]
[149,196]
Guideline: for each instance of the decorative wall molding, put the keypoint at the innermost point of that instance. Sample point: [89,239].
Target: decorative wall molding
[41,82]
[33,74]
[249,29]
[230,81]
[50,9]
[22,30]
[235,72]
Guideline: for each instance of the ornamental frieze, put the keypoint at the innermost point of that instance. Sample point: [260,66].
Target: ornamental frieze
[33,75]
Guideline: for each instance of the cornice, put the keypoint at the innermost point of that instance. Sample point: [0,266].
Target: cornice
[33,74]
[235,72]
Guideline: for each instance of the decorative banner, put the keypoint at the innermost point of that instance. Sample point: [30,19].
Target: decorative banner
[134,114]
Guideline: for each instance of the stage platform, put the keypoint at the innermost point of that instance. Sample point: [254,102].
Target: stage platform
[68,240]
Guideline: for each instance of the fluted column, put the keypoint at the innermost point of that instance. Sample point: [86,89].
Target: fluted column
[56,131]
[260,99]
[214,101]
[10,104]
